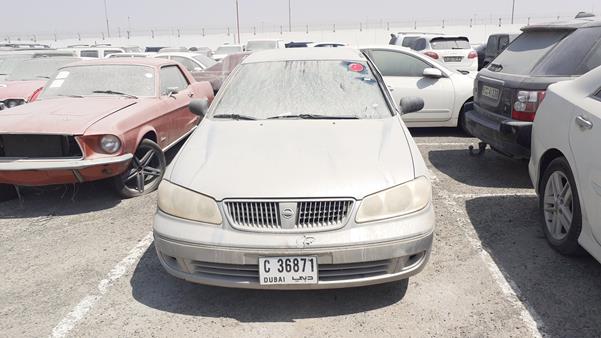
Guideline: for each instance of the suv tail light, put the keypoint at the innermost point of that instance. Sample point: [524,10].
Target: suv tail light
[432,55]
[526,104]
[472,55]
[35,95]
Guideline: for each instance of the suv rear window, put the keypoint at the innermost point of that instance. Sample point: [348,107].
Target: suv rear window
[575,55]
[526,51]
[450,43]
[408,41]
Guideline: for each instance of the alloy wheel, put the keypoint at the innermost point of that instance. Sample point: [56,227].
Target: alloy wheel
[145,169]
[558,205]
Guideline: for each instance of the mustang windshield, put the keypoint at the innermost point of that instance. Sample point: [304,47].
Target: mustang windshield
[102,80]
[337,89]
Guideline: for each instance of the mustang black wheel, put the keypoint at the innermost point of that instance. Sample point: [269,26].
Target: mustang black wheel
[144,173]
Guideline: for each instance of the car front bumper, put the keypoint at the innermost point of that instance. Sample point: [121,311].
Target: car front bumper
[371,254]
[507,136]
[61,171]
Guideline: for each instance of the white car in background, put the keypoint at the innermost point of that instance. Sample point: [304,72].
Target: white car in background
[222,51]
[192,61]
[257,45]
[565,164]
[446,93]
[454,52]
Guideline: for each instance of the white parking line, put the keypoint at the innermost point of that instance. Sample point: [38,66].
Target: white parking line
[515,194]
[505,283]
[87,303]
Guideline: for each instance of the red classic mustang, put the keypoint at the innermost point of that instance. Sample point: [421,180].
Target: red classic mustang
[110,118]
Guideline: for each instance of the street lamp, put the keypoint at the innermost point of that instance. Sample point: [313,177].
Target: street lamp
[512,11]
[106,16]
[289,16]
[238,21]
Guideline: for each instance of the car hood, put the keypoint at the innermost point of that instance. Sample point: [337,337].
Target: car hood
[294,159]
[19,89]
[71,116]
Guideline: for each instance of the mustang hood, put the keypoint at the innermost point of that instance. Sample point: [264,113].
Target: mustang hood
[294,159]
[19,89]
[70,116]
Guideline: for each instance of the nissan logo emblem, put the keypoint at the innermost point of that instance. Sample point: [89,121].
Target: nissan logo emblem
[287,213]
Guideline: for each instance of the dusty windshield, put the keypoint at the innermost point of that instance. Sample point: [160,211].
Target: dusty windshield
[261,45]
[228,50]
[335,89]
[102,80]
[38,69]
[9,62]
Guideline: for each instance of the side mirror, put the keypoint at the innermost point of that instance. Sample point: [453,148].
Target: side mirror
[197,69]
[199,107]
[411,104]
[172,91]
[434,73]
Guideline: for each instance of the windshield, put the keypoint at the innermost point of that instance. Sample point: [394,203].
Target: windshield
[36,69]
[228,50]
[86,80]
[204,60]
[261,45]
[9,62]
[326,88]
[450,43]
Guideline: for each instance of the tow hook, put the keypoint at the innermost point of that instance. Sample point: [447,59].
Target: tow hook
[481,149]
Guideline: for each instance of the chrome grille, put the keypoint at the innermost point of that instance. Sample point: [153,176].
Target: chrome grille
[260,215]
[276,216]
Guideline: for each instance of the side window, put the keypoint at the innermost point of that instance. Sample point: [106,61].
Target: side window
[398,64]
[172,79]
[420,44]
[409,41]
[89,53]
[593,60]
[492,46]
[503,42]
[187,63]
[112,51]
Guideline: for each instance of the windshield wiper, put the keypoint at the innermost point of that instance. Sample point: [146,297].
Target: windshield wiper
[314,117]
[42,77]
[114,93]
[234,117]
[66,95]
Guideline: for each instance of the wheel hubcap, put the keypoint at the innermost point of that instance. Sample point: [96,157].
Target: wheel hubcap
[558,205]
[144,170]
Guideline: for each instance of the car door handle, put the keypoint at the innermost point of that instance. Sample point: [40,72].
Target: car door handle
[583,123]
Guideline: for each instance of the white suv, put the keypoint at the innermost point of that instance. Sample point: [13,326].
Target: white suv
[454,52]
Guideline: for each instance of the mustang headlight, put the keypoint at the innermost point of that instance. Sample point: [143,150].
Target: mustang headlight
[183,203]
[396,201]
[110,144]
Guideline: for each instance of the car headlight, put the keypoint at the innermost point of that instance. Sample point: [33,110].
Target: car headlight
[110,144]
[183,203]
[397,201]
[13,103]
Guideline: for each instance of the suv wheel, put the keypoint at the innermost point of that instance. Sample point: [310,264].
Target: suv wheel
[560,206]
[145,171]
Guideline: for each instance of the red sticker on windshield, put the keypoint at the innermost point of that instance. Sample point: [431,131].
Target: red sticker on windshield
[356,67]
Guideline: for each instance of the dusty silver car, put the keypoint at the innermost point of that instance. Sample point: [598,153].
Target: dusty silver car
[301,175]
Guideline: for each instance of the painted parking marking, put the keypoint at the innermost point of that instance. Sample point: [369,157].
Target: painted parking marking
[509,288]
[80,311]
[446,144]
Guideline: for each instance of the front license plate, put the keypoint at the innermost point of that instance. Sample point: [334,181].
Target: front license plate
[490,92]
[453,58]
[287,270]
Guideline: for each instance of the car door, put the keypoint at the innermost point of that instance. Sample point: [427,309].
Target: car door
[403,74]
[176,95]
[585,138]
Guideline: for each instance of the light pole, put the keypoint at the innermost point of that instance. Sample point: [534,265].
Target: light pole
[106,16]
[238,21]
[289,16]
[512,11]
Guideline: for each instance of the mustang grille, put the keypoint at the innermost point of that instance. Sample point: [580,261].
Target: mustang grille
[24,146]
[288,216]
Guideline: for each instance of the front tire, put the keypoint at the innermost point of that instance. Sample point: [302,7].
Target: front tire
[144,173]
[560,207]
[461,121]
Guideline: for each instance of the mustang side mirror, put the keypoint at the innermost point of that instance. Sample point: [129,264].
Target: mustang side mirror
[199,107]
[411,104]
[432,73]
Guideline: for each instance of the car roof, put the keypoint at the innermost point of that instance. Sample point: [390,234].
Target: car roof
[183,54]
[152,62]
[565,25]
[305,54]
[263,40]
